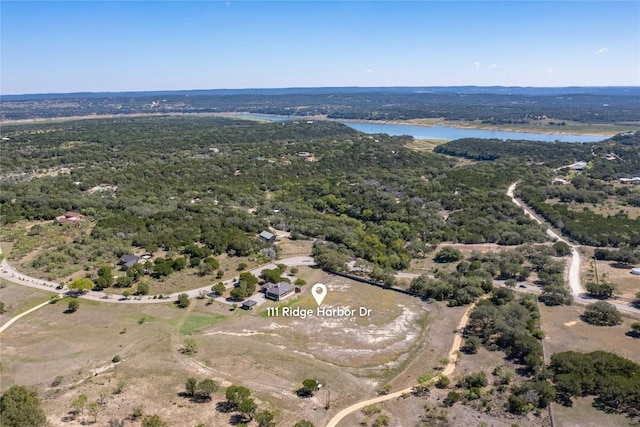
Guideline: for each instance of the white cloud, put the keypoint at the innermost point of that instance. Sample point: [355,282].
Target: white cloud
[476,64]
[369,71]
[492,66]
[601,51]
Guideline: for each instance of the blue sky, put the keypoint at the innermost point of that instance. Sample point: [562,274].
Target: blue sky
[58,46]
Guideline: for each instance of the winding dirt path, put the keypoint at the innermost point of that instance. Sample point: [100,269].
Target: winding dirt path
[448,370]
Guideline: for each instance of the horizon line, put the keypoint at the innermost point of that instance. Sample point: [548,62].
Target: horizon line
[168,91]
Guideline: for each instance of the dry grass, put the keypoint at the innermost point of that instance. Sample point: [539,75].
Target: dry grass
[270,355]
[582,414]
[18,298]
[627,284]
[609,208]
[565,331]
[425,144]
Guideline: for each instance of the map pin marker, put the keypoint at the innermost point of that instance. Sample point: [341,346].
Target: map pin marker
[319,291]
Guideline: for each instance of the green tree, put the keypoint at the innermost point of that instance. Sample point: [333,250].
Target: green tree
[105,277]
[443,382]
[304,423]
[94,409]
[235,394]
[79,403]
[73,306]
[81,285]
[218,289]
[517,405]
[448,254]
[183,301]
[309,387]
[602,313]
[21,407]
[191,386]
[248,408]
[153,421]
[471,345]
[207,387]
[561,248]
[266,419]
[179,263]
[143,288]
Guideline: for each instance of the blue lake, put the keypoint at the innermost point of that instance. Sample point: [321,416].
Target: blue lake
[439,132]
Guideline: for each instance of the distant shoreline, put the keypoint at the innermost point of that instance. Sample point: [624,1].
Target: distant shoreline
[412,122]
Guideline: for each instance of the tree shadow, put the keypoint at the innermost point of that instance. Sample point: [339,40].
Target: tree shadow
[236,419]
[633,334]
[225,407]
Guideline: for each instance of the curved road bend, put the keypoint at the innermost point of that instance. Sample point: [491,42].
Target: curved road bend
[9,273]
[578,291]
[448,370]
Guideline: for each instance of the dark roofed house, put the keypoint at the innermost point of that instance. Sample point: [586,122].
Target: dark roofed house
[277,291]
[267,237]
[249,304]
[128,261]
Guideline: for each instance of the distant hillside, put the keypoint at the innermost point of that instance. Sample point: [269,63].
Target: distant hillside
[489,90]
[492,105]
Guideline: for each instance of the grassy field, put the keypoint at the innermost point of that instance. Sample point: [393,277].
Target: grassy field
[565,331]
[272,356]
[609,207]
[18,298]
[627,285]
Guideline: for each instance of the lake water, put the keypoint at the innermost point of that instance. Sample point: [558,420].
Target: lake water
[439,132]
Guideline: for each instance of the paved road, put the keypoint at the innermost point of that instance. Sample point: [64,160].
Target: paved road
[9,273]
[578,291]
[448,370]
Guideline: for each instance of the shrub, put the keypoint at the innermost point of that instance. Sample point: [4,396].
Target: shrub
[602,313]
[443,382]
[448,254]
[183,301]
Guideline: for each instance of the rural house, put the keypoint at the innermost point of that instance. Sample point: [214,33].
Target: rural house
[277,291]
[128,260]
[267,237]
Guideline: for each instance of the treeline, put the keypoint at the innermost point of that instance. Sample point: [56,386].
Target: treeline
[509,324]
[551,153]
[369,104]
[586,226]
[613,380]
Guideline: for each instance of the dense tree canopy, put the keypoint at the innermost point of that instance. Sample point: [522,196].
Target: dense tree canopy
[20,407]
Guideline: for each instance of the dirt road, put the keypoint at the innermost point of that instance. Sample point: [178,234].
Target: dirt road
[448,370]
[578,291]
